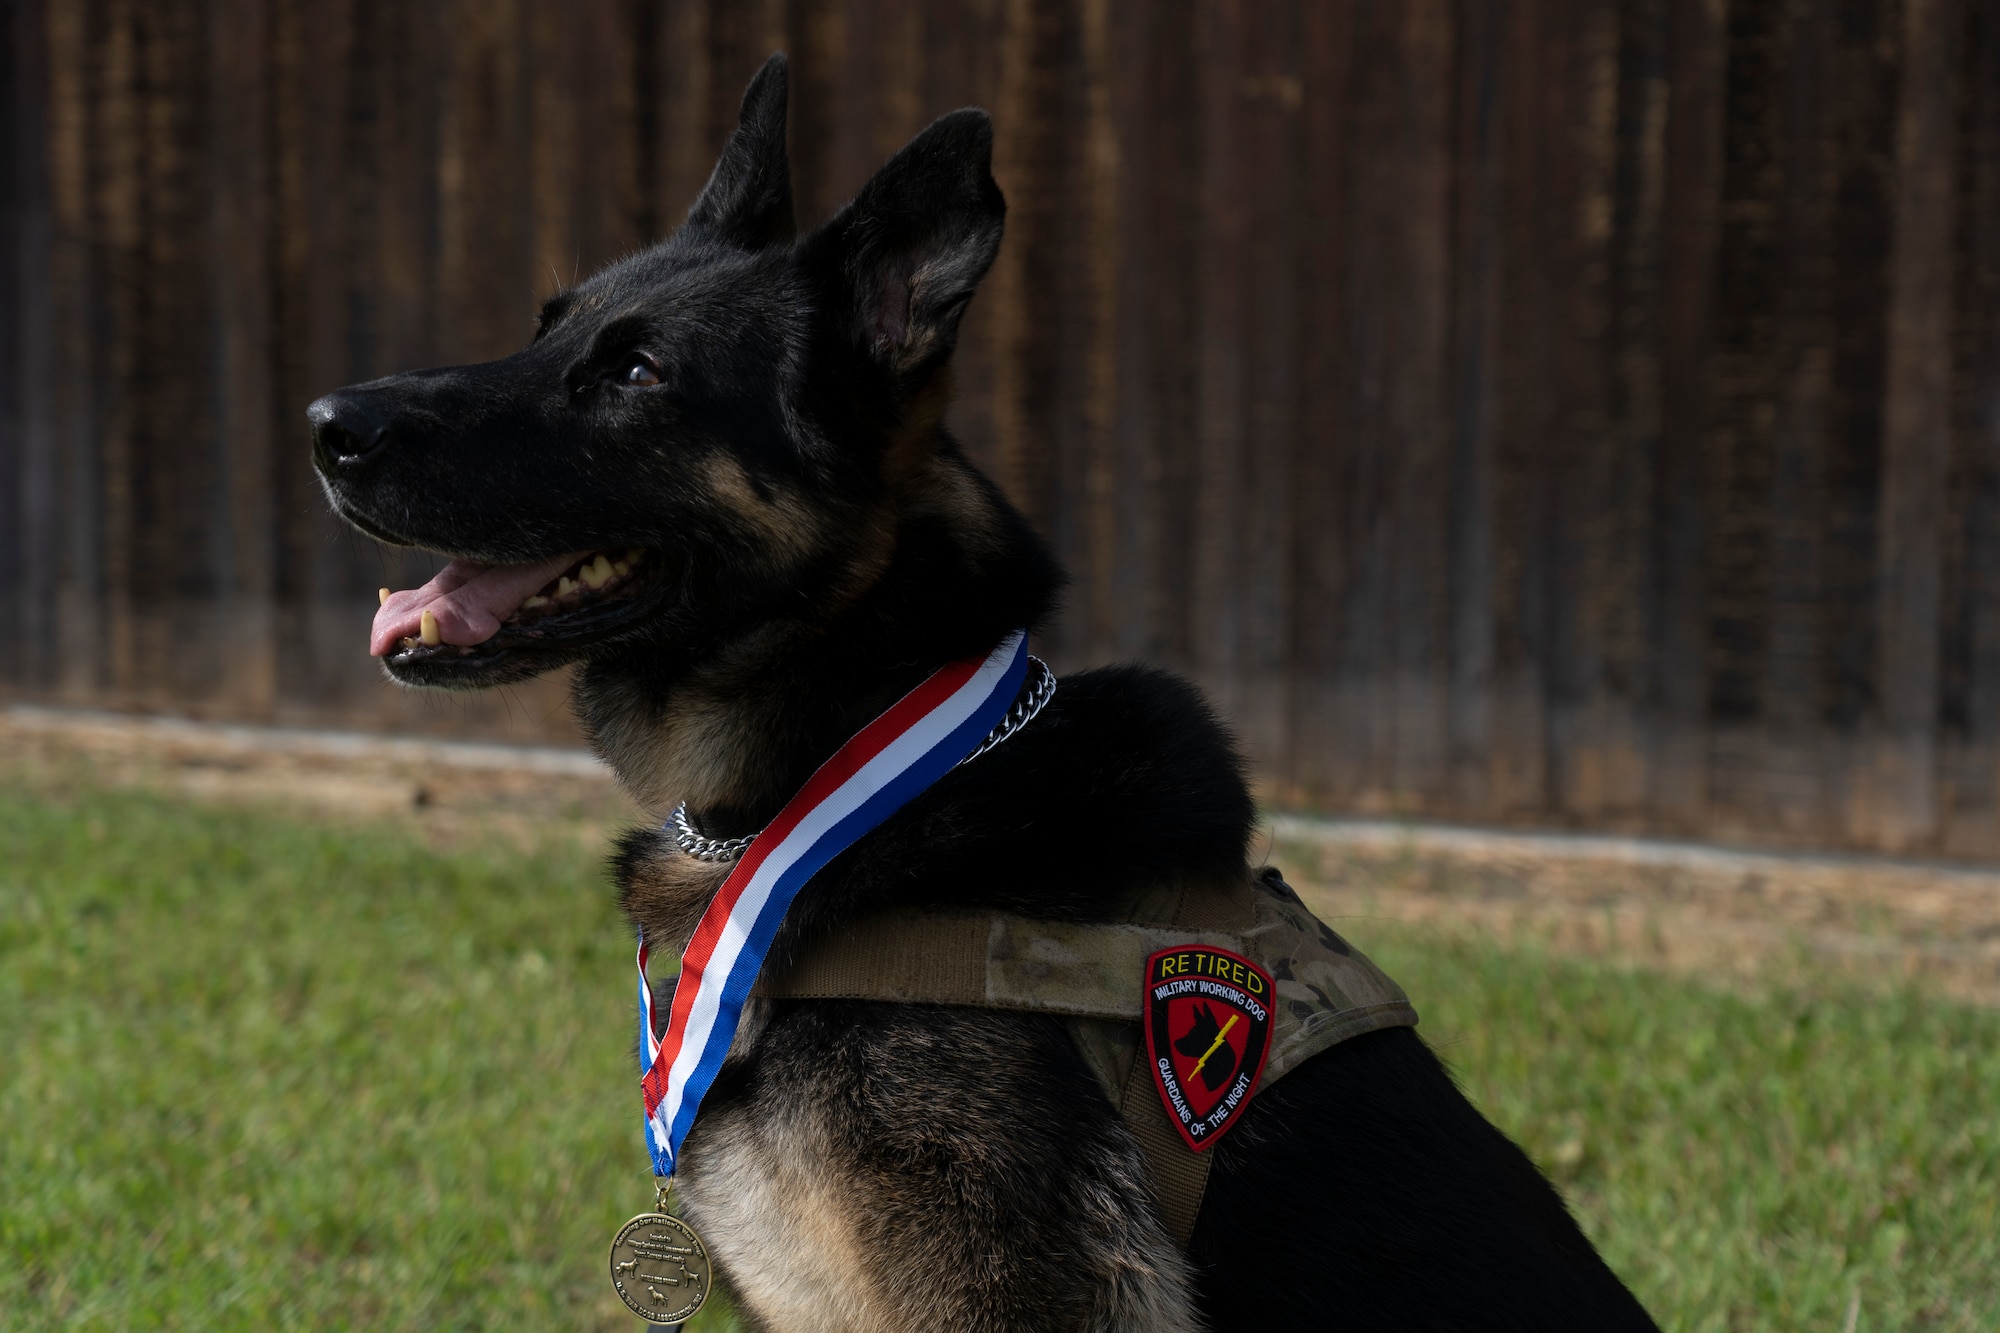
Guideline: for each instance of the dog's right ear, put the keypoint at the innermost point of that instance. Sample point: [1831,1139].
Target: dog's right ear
[902,260]
[748,199]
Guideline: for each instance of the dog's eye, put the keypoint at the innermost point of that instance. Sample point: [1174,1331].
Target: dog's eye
[640,372]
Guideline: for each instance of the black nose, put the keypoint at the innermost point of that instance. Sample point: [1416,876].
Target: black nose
[344,431]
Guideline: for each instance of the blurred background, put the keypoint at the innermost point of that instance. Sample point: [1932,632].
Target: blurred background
[1579,412]
[1564,436]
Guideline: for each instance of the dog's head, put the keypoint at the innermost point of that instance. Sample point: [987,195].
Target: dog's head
[700,437]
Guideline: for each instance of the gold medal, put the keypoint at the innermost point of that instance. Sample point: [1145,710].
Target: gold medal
[660,1267]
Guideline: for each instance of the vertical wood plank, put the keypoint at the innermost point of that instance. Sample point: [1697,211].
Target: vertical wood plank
[621,52]
[1969,675]
[1128,492]
[1788,775]
[1328,764]
[117,227]
[399,285]
[29,495]
[559,151]
[1064,304]
[21,198]
[1675,682]
[294,556]
[1519,779]
[1472,395]
[1271,101]
[686,143]
[850,127]
[319,57]
[1866,59]
[1595,487]
[78,623]
[182,553]
[582,141]
[894,108]
[1738,563]
[1221,349]
[1096,192]
[488,266]
[1916,424]
[1415,304]
[1616,341]
[965,54]
[742,34]
[1582,481]
[1021,287]
[818,40]
[238,180]
[961,49]
[601,71]
[1171,313]
[1381,582]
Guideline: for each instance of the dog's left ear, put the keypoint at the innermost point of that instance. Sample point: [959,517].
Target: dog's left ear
[748,198]
[904,257]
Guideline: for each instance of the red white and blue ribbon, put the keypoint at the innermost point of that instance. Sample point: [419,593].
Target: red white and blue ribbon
[920,739]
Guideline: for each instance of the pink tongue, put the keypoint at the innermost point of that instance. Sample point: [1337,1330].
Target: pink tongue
[469,600]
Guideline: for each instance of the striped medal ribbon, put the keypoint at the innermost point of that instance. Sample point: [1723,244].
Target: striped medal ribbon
[880,769]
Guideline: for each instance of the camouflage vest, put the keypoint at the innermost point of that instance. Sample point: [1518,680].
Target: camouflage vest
[1091,976]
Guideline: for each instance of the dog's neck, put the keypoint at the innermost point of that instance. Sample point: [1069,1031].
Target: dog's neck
[736,732]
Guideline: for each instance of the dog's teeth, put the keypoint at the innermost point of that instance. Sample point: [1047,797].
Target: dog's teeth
[621,569]
[427,630]
[565,586]
[535,602]
[597,573]
[381,597]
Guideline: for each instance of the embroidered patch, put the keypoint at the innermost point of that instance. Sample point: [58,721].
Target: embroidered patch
[1208,1028]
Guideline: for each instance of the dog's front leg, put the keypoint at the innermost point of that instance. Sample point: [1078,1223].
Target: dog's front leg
[906,1167]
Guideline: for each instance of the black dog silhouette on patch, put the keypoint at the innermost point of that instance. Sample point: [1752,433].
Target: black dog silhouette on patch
[1200,1038]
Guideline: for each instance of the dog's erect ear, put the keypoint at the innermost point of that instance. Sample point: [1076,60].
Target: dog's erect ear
[907,253]
[748,198]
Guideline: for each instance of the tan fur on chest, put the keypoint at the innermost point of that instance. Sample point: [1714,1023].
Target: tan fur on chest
[777,1215]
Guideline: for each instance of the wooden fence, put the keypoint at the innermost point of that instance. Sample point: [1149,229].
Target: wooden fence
[1558,411]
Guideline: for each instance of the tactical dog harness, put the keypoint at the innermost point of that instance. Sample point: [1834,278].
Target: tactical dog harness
[1094,977]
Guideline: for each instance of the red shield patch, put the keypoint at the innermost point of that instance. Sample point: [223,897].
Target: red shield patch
[1208,1028]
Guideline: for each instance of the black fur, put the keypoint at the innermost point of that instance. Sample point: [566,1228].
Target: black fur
[1405,1205]
[761,414]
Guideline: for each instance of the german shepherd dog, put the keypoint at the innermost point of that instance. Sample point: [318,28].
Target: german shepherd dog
[717,481]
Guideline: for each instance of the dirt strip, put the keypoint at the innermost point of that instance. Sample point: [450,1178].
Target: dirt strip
[1680,906]
[1684,907]
[448,788]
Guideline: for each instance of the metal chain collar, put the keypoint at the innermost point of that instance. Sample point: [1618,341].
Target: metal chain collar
[704,848]
[1038,693]
[1034,697]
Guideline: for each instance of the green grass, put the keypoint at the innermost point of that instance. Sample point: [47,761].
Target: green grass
[261,1074]
[264,1074]
[1743,1161]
